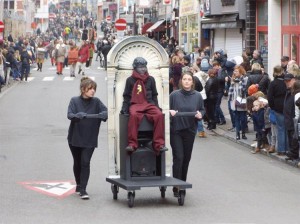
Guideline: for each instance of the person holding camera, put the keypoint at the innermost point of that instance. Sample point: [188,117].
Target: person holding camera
[83,132]
[236,95]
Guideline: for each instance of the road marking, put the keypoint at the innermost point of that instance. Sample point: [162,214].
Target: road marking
[58,189]
[29,79]
[50,78]
[68,78]
[52,68]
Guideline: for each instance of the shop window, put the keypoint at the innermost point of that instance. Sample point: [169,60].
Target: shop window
[263,43]
[262,15]
[285,44]
[285,12]
[294,12]
[183,24]
[294,47]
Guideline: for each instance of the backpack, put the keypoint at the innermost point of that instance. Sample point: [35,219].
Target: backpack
[205,66]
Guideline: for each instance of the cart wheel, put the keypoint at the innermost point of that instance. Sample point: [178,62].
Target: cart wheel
[130,199]
[163,192]
[115,191]
[181,196]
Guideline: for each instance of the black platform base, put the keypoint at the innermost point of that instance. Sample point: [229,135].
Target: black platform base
[131,186]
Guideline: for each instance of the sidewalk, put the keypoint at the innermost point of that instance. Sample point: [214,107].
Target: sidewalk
[221,130]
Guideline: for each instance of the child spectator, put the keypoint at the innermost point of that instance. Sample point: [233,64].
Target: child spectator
[259,125]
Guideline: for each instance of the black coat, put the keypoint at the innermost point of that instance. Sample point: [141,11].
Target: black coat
[289,111]
[198,84]
[211,88]
[262,80]
[276,94]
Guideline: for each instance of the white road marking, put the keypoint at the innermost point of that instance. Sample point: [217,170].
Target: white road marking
[50,78]
[68,78]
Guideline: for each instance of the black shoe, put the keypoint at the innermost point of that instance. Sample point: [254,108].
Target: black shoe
[222,123]
[238,137]
[84,195]
[244,136]
[77,190]
[129,149]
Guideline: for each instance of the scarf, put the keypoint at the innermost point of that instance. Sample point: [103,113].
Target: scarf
[138,95]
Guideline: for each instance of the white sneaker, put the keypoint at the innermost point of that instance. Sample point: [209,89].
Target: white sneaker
[254,145]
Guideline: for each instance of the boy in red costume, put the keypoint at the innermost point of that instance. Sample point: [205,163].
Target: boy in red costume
[140,98]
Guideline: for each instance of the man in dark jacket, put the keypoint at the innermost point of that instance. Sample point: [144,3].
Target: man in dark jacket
[289,114]
[140,99]
[276,95]
[105,49]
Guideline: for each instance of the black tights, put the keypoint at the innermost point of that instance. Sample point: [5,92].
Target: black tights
[81,166]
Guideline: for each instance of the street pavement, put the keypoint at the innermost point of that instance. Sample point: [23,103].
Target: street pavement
[230,185]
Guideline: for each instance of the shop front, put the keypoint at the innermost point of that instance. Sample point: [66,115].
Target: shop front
[189,28]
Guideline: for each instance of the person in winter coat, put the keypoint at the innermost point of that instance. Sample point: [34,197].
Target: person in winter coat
[211,90]
[60,53]
[72,58]
[257,76]
[105,49]
[276,96]
[40,56]
[84,55]
[236,94]
[25,66]
[289,114]
[83,132]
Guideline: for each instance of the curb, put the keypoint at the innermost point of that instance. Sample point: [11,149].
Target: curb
[220,132]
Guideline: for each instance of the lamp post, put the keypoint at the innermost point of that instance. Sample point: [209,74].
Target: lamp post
[134,19]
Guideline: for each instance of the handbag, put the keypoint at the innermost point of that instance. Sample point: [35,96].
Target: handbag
[241,103]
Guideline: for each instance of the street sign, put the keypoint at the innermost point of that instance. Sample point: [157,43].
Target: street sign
[108,18]
[121,24]
[166,2]
[1,26]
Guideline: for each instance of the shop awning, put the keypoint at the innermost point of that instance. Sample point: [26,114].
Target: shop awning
[146,27]
[155,25]
[224,21]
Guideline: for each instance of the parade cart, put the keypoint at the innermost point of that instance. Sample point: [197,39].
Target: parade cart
[142,168]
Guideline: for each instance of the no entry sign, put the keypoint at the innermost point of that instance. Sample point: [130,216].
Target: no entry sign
[1,26]
[121,24]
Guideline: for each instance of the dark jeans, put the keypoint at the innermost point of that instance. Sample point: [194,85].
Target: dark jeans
[182,143]
[25,69]
[211,109]
[293,145]
[219,116]
[232,115]
[240,121]
[81,166]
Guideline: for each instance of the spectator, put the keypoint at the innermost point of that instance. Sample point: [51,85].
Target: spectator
[276,96]
[237,92]
[284,63]
[256,58]
[211,90]
[257,76]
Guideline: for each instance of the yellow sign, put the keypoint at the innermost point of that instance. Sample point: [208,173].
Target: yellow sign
[188,7]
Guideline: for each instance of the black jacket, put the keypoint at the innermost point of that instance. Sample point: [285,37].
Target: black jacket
[198,84]
[289,111]
[222,74]
[276,94]
[150,86]
[262,80]
[211,88]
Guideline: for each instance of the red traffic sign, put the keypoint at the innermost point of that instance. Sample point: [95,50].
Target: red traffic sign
[108,18]
[121,24]
[167,2]
[1,26]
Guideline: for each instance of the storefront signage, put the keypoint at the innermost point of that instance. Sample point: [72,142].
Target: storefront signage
[228,2]
[188,7]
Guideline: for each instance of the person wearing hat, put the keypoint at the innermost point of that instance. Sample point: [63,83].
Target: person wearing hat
[289,113]
[284,62]
[140,99]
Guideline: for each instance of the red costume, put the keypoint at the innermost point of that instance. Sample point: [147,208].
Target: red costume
[139,106]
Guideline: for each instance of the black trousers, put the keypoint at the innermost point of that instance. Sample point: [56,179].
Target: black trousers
[81,166]
[293,145]
[182,144]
